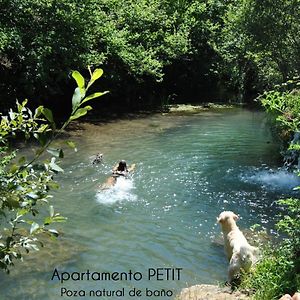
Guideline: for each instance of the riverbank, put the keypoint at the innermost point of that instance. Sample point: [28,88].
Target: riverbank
[210,292]
[191,108]
[107,117]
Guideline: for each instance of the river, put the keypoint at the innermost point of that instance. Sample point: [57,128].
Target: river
[189,169]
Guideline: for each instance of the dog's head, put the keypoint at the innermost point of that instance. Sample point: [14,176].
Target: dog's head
[226,216]
[98,158]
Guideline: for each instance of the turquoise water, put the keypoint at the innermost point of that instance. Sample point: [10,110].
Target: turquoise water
[189,169]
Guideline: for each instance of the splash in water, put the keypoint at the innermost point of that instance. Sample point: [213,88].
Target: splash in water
[279,179]
[121,191]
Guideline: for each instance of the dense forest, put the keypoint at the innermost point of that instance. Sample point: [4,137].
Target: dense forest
[153,52]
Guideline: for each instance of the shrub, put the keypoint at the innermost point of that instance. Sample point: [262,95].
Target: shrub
[278,272]
[25,183]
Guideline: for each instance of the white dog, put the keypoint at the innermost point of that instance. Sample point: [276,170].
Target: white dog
[240,253]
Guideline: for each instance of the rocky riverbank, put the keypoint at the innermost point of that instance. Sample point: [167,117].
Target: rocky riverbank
[210,292]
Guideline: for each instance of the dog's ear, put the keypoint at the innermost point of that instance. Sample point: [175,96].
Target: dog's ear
[220,220]
[235,217]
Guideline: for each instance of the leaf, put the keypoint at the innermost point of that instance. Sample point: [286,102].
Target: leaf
[77,97]
[34,227]
[59,219]
[79,79]
[80,112]
[38,111]
[33,195]
[13,202]
[51,210]
[52,185]
[54,232]
[42,128]
[14,168]
[56,152]
[54,166]
[22,160]
[22,212]
[95,95]
[33,247]
[42,140]
[71,145]
[24,102]
[47,221]
[96,74]
[48,114]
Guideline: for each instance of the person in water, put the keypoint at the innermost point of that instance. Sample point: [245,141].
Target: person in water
[120,169]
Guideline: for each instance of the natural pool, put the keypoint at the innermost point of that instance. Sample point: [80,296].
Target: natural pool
[189,169]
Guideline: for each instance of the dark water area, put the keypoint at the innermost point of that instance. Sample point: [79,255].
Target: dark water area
[189,169]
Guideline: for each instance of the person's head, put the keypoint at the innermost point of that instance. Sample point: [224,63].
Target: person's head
[122,166]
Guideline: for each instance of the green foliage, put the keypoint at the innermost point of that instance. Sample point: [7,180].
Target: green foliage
[40,38]
[240,47]
[290,225]
[278,272]
[25,183]
[275,275]
[284,104]
[259,43]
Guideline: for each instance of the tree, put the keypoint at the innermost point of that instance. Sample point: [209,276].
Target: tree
[260,43]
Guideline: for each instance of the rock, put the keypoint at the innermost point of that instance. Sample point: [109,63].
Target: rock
[210,292]
[189,108]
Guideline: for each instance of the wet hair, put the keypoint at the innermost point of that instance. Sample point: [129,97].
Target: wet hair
[122,166]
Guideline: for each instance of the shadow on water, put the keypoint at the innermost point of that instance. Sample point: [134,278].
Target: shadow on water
[189,169]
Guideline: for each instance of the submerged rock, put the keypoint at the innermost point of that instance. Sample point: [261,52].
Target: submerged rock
[210,292]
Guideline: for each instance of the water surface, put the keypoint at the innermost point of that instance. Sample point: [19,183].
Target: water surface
[189,169]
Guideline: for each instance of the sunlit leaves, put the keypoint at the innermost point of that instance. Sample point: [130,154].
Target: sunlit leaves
[80,112]
[34,227]
[96,74]
[79,79]
[93,96]
[51,211]
[54,166]
[59,153]
[72,145]
[26,182]
[53,218]
[77,97]
[38,111]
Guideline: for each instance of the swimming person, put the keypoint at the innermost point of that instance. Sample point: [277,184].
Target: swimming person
[119,170]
